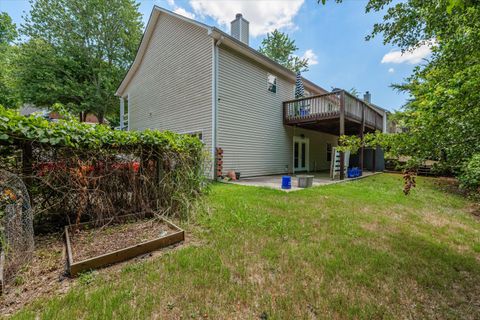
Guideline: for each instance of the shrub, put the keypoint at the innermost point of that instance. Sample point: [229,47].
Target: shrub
[470,177]
[94,172]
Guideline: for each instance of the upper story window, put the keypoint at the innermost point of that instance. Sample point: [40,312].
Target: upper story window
[272,83]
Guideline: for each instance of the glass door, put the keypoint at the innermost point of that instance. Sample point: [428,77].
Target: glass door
[300,154]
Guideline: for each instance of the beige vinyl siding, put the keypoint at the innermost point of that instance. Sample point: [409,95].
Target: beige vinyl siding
[250,118]
[250,121]
[318,147]
[172,88]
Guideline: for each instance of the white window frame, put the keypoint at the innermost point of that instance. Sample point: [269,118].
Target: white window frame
[275,83]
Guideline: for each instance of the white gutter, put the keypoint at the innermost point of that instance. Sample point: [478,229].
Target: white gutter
[122,112]
[385,122]
[215,44]
[251,53]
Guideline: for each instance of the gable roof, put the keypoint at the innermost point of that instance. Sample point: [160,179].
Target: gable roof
[223,37]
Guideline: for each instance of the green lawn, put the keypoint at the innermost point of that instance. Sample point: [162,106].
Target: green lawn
[352,250]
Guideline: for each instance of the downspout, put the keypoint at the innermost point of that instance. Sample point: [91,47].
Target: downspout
[384,122]
[122,112]
[128,111]
[216,44]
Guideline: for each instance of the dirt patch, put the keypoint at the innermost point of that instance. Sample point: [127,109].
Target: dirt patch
[43,276]
[474,209]
[93,242]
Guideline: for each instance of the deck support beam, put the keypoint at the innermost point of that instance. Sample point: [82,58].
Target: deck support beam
[341,133]
[362,133]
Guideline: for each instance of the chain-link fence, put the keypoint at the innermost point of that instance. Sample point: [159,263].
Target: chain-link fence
[16,226]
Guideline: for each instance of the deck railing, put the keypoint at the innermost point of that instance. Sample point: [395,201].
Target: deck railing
[317,107]
[330,106]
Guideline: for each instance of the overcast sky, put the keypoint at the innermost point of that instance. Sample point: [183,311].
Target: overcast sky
[332,36]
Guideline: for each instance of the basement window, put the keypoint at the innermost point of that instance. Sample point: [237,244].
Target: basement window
[272,83]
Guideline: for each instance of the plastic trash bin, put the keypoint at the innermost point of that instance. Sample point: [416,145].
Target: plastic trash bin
[286,182]
[305,181]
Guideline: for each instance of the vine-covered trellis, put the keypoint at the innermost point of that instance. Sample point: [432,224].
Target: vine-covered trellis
[76,171]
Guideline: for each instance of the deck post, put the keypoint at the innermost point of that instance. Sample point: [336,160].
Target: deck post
[362,132]
[342,132]
[374,160]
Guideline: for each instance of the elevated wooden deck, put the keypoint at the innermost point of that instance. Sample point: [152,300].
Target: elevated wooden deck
[332,112]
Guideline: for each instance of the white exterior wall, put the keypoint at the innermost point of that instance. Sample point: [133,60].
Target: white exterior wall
[250,121]
[172,88]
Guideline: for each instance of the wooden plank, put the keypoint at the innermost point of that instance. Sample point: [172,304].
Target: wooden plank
[123,254]
[126,254]
[2,280]
[69,247]
[362,134]
[342,132]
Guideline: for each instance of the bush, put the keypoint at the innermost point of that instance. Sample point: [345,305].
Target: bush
[470,177]
[90,172]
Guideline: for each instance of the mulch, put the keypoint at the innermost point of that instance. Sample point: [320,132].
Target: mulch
[93,242]
[45,275]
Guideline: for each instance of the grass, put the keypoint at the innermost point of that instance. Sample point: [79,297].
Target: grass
[353,250]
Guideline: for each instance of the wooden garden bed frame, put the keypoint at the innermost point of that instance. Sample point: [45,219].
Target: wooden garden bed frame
[2,266]
[76,267]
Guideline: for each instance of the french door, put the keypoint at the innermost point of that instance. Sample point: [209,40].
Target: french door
[300,154]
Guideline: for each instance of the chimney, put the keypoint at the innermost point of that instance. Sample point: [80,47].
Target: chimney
[367,97]
[239,28]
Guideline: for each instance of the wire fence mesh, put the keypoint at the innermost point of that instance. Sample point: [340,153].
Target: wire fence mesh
[16,225]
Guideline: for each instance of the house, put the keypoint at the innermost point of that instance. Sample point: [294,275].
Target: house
[192,78]
[28,109]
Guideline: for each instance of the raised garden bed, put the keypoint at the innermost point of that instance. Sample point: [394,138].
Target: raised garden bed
[90,247]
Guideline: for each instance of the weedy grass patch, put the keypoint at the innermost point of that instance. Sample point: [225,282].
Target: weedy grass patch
[358,250]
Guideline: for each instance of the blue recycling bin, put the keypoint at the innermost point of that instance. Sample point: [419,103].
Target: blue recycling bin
[350,172]
[286,182]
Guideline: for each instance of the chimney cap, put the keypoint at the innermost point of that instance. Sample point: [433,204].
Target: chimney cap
[367,97]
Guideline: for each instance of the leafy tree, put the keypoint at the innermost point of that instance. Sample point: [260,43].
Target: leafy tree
[78,52]
[354,92]
[279,47]
[8,30]
[442,119]
[8,33]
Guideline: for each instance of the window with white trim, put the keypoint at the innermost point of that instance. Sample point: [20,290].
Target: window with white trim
[271,83]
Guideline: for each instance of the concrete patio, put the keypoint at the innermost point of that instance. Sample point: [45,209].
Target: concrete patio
[275,181]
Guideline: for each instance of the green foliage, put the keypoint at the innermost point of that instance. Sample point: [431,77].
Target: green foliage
[349,143]
[86,278]
[15,128]
[289,253]
[8,30]
[279,47]
[470,177]
[442,119]
[8,52]
[91,172]
[78,52]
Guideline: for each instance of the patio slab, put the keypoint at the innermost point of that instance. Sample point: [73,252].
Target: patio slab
[275,181]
